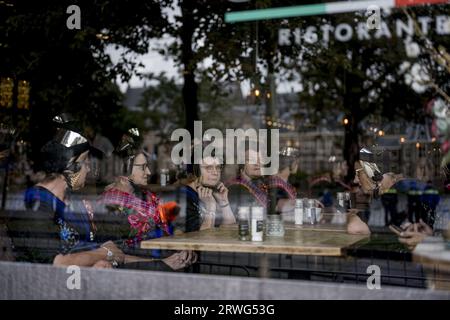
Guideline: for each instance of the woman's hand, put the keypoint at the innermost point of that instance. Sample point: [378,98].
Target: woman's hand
[414,234]
[92,258]
[420,227]
[367,185]
[411,238]
[222,195]
[355,225]
[118,254]
[206,196]
[181,259]
[102,264]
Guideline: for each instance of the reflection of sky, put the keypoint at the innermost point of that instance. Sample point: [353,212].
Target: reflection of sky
[152,61]
[156,63]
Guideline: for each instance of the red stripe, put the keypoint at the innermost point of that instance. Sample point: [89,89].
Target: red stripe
[405,3]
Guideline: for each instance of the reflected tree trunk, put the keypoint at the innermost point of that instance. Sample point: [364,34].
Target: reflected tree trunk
[352,102]
[190,87]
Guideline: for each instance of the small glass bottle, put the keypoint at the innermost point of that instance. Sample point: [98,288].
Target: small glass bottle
[298,211]
[312,212]
[274,227]
[164,177]
[341,203]
[348,201]
[257,223]
[243,220]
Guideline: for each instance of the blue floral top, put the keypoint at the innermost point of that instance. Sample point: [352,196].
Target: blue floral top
[70,224]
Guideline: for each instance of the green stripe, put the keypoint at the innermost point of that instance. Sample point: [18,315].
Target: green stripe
[275,13]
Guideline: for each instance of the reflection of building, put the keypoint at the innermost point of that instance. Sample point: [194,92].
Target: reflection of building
[414,154]
[319,149]
[133,98]
[320,146]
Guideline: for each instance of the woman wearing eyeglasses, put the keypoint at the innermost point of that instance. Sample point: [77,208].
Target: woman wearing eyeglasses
[207,197]
[137,213]
[369,182]
[128,198]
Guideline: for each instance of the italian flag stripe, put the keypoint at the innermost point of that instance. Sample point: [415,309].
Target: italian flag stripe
[404,3]
[321,9]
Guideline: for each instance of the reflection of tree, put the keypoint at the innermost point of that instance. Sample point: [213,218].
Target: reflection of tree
[216,100]
[163,111]
[69,70]
[189,28]
[361,79]
[162,107]
[435,59]
[201,33]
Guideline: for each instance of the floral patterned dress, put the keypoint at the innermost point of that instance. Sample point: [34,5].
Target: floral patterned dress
[132,217]
[48,220]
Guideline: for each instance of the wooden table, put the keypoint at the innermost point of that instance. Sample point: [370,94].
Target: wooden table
[435,257]
[318,227]
[311,227]
[297,241]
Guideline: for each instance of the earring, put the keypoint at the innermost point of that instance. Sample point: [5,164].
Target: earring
[73,180]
